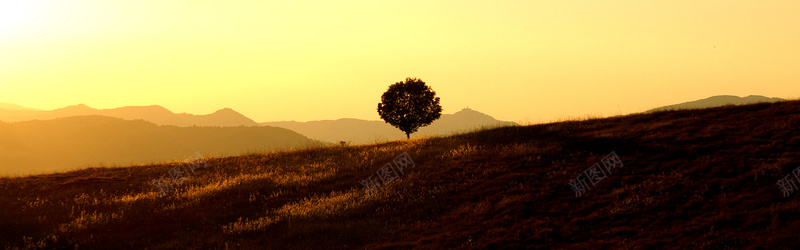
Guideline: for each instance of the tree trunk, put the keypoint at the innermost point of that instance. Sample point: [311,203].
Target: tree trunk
[408,135]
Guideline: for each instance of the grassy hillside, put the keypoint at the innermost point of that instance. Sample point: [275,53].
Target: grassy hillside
[692,179]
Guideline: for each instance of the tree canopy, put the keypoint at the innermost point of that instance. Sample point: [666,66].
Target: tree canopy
[409,105]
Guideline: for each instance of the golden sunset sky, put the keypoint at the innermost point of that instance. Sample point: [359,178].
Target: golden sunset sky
[520,61]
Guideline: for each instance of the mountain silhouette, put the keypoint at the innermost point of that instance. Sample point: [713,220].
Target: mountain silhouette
[464,120]
[76,142]
[155,114]
[11,106]
[365,131]
[717,101]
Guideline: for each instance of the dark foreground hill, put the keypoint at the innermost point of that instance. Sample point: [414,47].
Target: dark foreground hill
[689,179]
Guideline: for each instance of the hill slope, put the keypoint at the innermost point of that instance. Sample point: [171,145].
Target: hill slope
[363,131]
[77,142]
[717,101]
[690,179]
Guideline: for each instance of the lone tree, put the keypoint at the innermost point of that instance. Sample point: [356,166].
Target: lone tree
[409,105]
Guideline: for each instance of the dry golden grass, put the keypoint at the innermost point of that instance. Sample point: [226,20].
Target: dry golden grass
[307,208]
[692,179]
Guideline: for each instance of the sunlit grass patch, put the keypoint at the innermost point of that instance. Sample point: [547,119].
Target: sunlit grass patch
[244,226]
[33,203]
[463,151]
[134,197]
[213,185]
[281,179]
[41,243]
[396,146]
[86,220]
[326,206]
[322,206]
[221,185]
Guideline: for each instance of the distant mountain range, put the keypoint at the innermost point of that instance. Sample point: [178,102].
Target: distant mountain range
[716,101]
[350,130]
[365,131]
[155,114]
[11,106]
[82,141]
[38,141]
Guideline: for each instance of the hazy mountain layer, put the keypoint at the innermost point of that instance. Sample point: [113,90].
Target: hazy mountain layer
[717,101]
[11,106]
[78,142]
[364,131]
[155,114]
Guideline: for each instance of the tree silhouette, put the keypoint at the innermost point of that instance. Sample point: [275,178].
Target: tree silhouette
[409,105]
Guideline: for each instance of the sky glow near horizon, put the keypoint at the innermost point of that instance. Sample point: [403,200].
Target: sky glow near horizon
[524,61]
